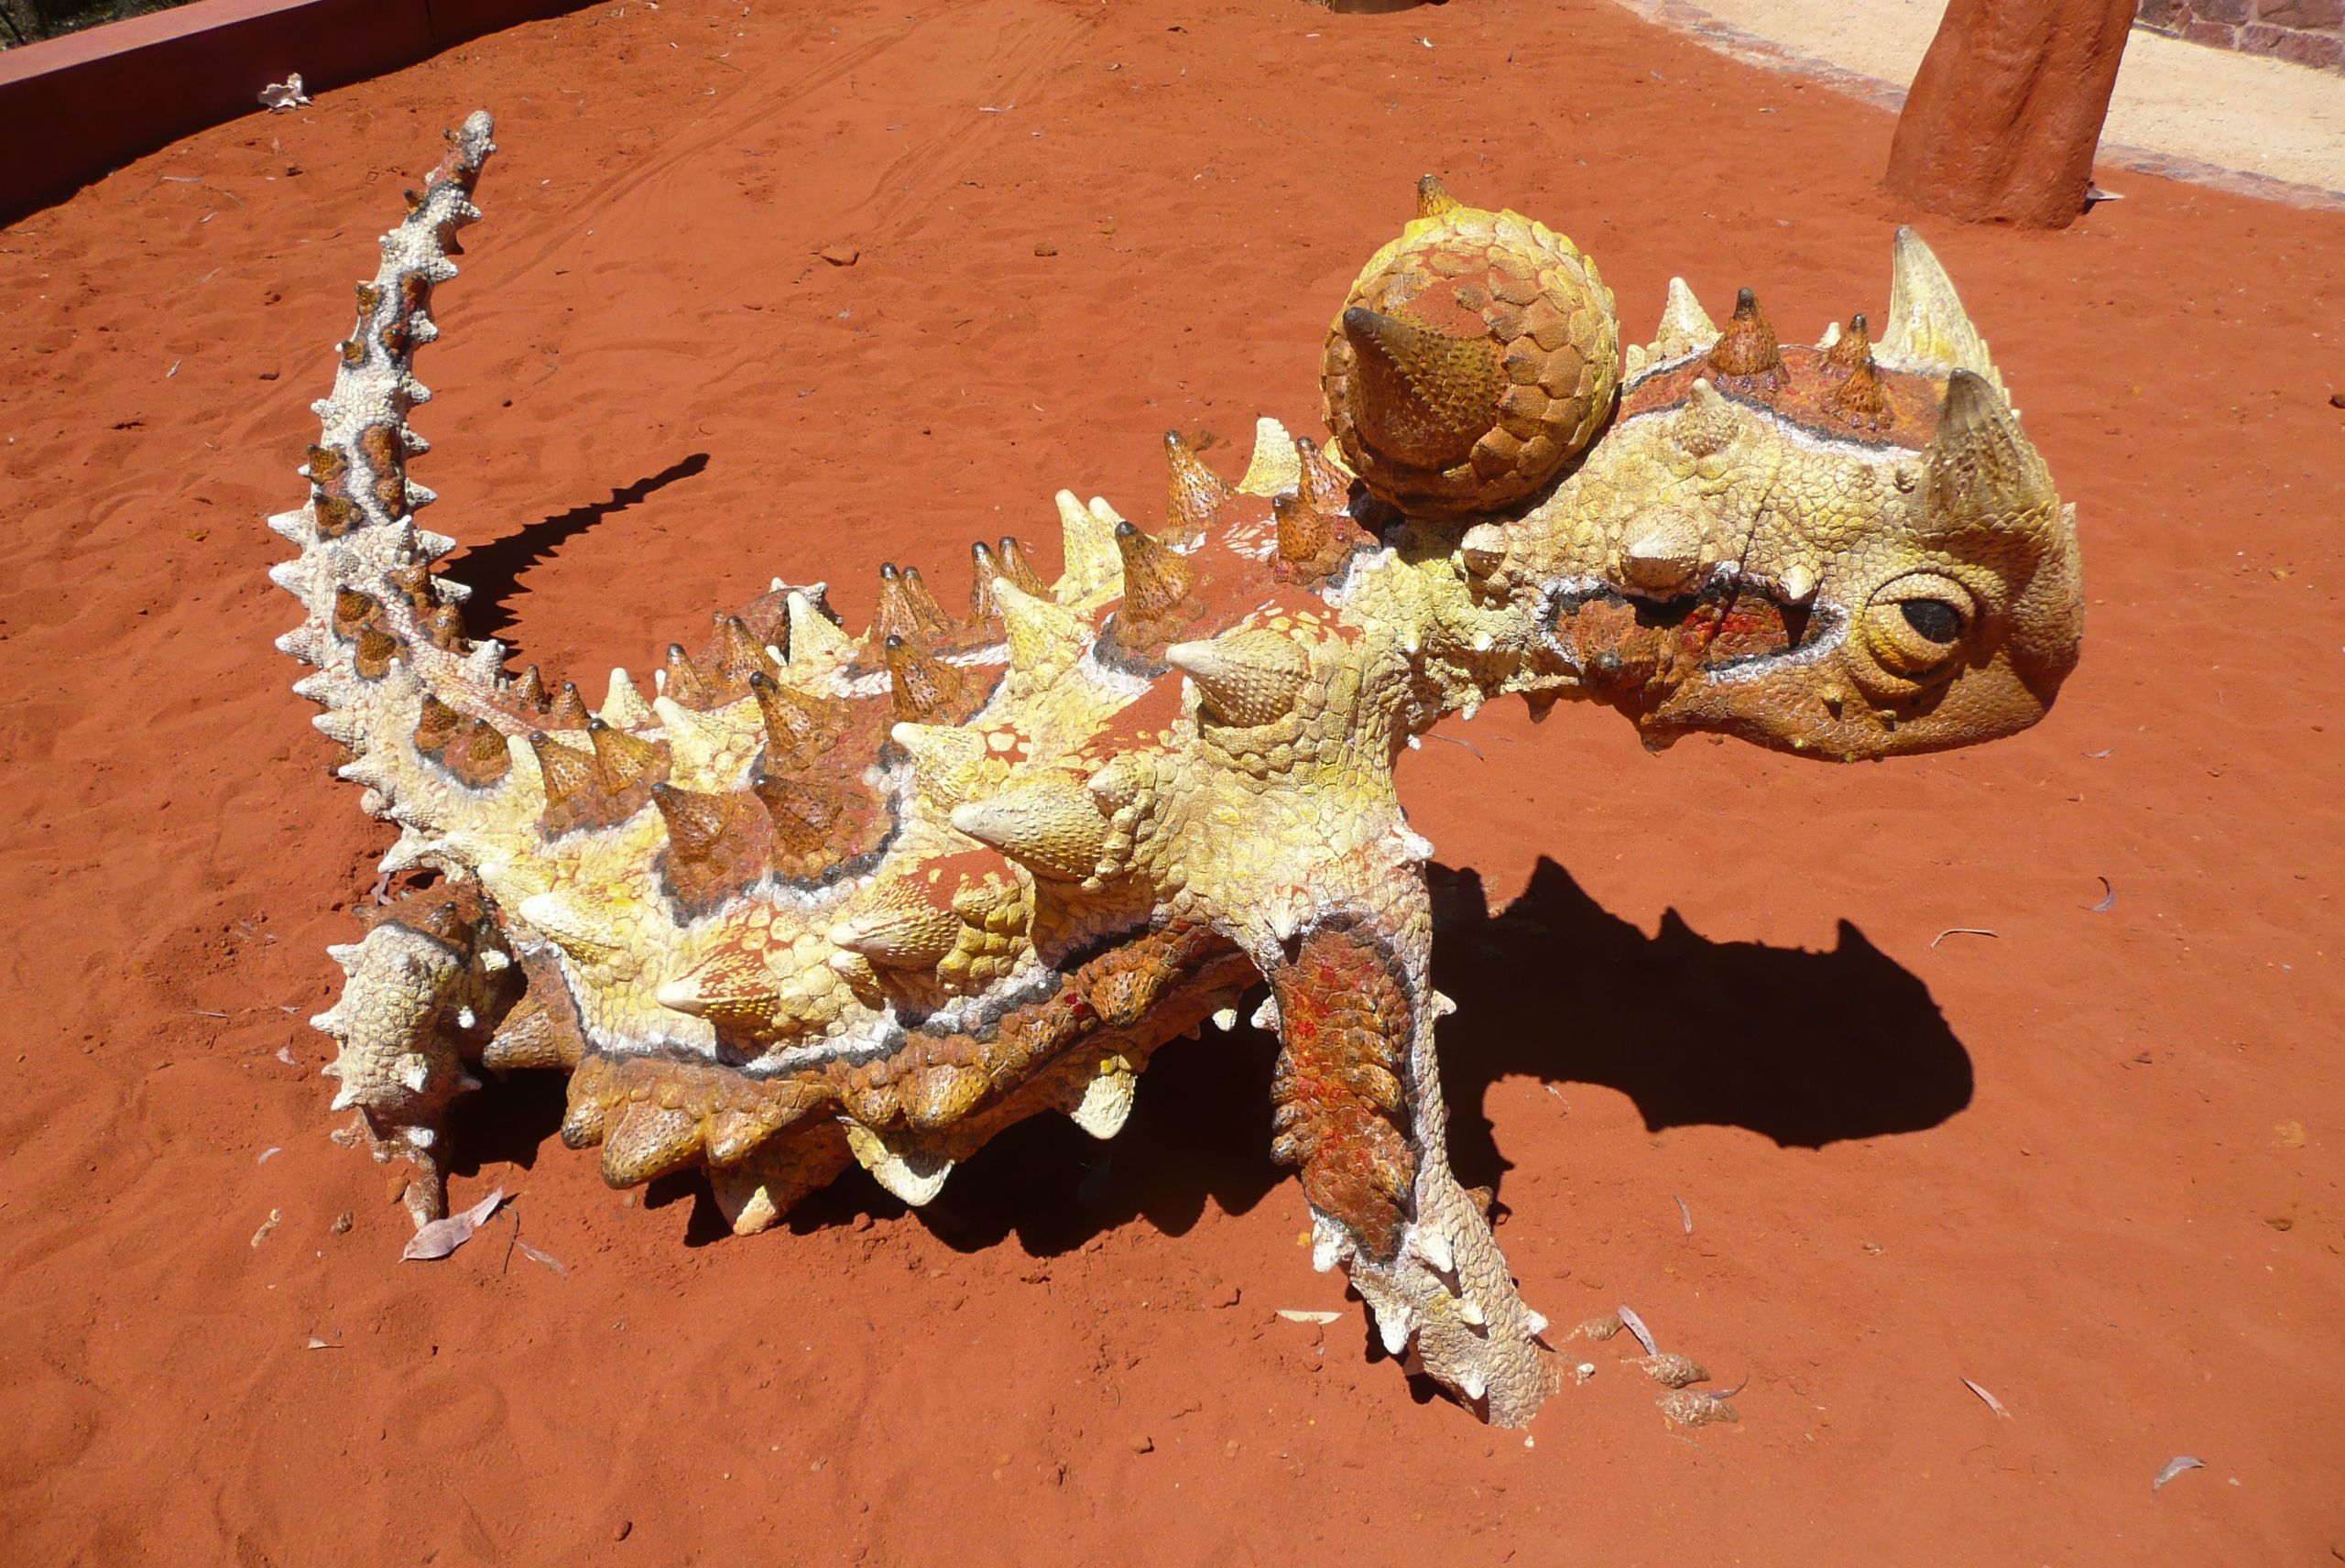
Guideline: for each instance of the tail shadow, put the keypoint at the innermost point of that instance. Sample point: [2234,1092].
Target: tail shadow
[493,570]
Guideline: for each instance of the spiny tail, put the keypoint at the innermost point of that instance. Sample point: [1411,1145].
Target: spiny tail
[398,677]
[364,574]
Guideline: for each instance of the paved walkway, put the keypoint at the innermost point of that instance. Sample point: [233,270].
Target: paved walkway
[2183,109]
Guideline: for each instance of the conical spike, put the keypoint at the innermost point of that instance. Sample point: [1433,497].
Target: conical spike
[983,570]
[574,925]
[915,1178]
[647,1142]
[1306,537]
[1155,578]
[569,710]
[529,1036]
[1089,550]
[1425,396]
[1272,466]
[1747,346]
[948,760]
[1851,348]
[624,708]
[695,821]
[435,723]
[376,650]
[926,689]
[1928,328]
[816,640]
[897,615]
[529,691]
[1195,493]
[705,752]
[352,609]
[683,683]
[1319,484]
[931,617]
[1706,426]
[1665,557]
[900,928]
[1106,1103]
[1685,328]
[627,761]
[1043,634]
[733,654]
[587,1118]
[800,726]
[1433,200]
[1018,571]
[1860,399]
[1984,472]
[1245,677]
[1052,825]
[571,776]
[445,628]
[731,986]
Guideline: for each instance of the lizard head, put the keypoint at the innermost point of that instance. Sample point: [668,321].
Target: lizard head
[1849,551]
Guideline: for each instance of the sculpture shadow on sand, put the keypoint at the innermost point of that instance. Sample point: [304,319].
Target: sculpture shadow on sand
[493,569]
[1553,988]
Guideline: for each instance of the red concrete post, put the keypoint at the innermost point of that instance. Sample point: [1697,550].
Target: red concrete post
[2006,111]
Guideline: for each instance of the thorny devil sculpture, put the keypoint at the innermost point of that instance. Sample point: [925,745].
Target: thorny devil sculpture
[824,901]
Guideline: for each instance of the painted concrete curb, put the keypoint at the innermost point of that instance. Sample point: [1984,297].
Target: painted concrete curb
[78,106]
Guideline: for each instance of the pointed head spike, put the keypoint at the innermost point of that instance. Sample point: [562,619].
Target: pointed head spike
[1194,494]
[1747,349]
[1433,200]
[1156,578]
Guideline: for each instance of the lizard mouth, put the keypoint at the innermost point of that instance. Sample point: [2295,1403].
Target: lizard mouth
[1637,650]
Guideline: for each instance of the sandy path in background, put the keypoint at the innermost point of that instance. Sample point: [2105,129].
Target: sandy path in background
[2176,100]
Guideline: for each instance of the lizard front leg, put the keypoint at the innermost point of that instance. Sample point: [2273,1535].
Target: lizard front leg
[424,987]
[1357,1107]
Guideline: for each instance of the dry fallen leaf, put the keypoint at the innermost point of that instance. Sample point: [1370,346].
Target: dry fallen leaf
[1636,1325]
[1993,1403]
[441,1237]
[2176,1466]
[548,1258]
[1296,1315]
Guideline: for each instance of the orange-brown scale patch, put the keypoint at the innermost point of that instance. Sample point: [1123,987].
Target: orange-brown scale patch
[925,690]
[739,1109]
[1340,1110]
[718,846]
[1910,402]
[1114,990]
[822,826]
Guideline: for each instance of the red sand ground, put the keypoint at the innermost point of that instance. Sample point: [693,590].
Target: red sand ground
[2090,1162]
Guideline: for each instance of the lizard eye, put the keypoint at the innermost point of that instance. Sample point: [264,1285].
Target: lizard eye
[1914,624]
[1934,619]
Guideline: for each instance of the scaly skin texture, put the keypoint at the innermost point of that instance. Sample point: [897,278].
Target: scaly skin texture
[820,900]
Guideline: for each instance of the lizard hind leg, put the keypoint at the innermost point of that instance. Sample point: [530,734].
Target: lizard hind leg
[1357,1107]
[423,985]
